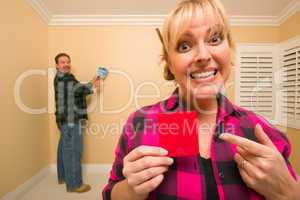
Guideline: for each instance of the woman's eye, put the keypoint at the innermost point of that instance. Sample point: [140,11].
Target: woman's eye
[216,39]
[183,47]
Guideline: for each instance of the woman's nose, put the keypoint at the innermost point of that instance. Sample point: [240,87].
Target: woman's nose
[203,54]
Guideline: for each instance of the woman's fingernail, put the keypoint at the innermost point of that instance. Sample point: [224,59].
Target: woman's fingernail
[259,126]
[223,136]
[170,160]
[163,152]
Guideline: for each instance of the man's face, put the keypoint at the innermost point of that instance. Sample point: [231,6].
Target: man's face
[64,64]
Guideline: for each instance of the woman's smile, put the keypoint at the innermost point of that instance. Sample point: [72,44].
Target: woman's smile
[203,76]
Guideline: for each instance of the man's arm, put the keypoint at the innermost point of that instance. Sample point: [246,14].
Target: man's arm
[83,89]
[79,89]
[88,88]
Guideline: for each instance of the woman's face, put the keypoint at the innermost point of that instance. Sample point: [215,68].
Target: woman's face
[200,60]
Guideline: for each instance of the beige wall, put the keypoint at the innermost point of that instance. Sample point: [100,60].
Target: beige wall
[24,137]
[294,137]
[255,34]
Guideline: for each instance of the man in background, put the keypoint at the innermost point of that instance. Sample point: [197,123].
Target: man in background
[71,114]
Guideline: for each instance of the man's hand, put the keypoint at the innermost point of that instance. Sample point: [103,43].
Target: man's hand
[96,82]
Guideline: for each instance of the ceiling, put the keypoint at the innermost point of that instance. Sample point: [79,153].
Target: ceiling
[145,7]
[254,9]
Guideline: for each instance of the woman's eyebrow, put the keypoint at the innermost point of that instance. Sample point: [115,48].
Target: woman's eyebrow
[187,34]
[215,28]
[211,30]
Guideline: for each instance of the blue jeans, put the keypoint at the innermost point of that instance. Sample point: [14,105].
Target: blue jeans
[69,153]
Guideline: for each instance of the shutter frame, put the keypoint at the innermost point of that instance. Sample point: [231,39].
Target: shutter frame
[290,83]
[255,78]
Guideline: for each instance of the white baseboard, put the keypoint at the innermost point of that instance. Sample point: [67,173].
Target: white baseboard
[28,185]
[32,182]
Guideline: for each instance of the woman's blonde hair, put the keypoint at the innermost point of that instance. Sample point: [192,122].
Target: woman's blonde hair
[179,20]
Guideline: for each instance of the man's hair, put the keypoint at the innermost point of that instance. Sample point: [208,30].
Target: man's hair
[61,55]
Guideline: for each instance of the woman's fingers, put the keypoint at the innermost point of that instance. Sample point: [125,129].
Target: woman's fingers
[150,185]
[248,145]
[247,165]
[145,175]
[243,167]
[147,162]
[248,156]
[262,137]
[261,148]
[247,179]
[142,151]
[242,163]
[262,163]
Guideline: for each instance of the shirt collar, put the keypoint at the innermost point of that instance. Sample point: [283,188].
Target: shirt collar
[175,103]
[225,107]
[61,74]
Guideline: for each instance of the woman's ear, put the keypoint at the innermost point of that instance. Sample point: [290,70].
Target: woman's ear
[169,64]
[168,74]
[232,64]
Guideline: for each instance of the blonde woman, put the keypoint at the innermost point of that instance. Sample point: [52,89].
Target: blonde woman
[241,155]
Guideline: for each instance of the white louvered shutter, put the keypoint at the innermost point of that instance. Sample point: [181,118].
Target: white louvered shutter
[255,79]
[290,87]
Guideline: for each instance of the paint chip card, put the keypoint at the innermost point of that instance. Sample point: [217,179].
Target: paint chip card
[178,133]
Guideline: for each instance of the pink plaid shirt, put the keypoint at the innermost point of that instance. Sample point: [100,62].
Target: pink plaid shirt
[185,178]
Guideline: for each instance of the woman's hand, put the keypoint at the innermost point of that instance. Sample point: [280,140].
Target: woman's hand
[262,167]
[144,167]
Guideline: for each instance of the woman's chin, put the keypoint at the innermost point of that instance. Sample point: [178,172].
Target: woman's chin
[199,94]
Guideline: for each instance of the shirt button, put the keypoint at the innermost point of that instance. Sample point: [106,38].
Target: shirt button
[221,175]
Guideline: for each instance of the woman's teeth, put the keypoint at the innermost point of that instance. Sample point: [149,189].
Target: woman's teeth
[203,75]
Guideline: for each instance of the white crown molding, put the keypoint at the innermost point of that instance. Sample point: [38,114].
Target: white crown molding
[288,11]
[106,20]
[41,9]
[147,20]
[153,20]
